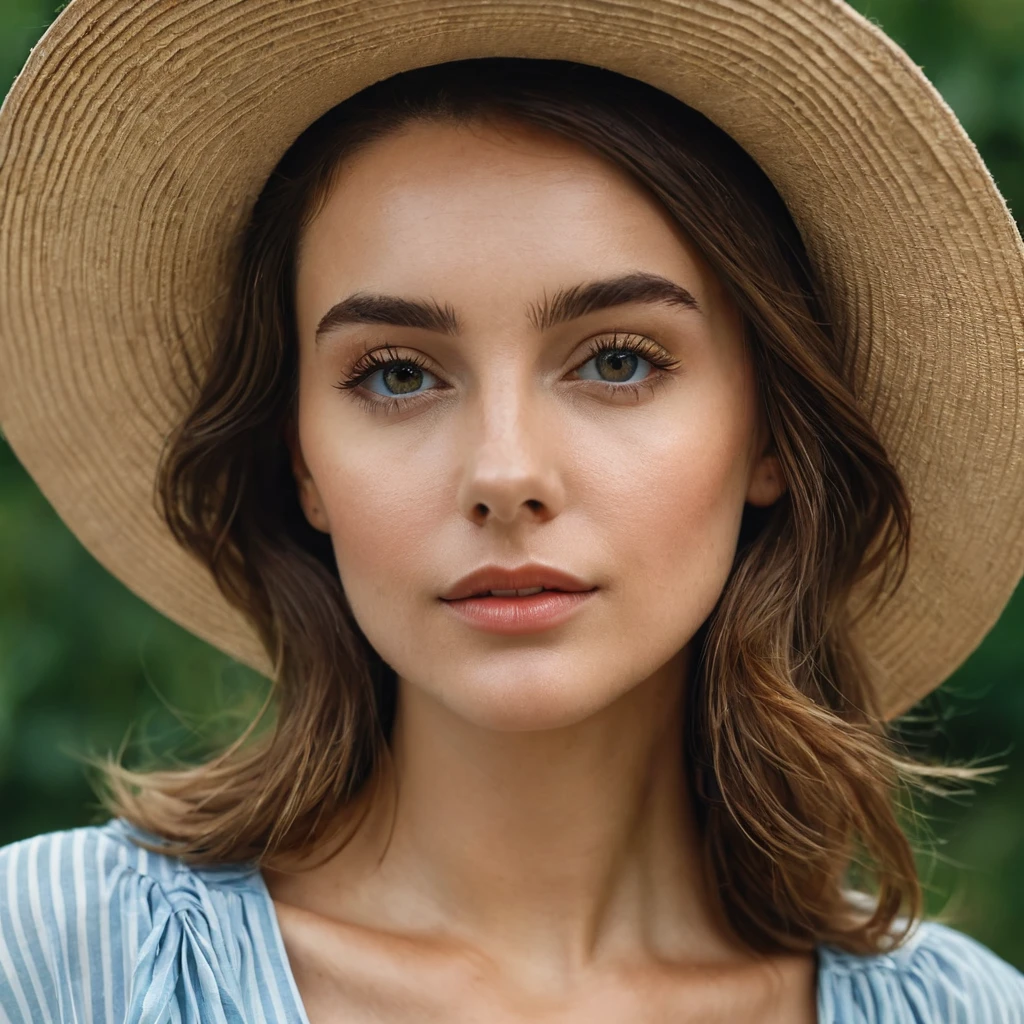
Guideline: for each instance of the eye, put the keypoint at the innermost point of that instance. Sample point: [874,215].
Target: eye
[617,360]
[396,381]
[398,377]
[616,366]
[386,381]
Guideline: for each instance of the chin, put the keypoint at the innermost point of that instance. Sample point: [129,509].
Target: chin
[526,710]
[527,694]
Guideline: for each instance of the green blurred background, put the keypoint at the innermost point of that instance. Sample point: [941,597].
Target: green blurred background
[81,658]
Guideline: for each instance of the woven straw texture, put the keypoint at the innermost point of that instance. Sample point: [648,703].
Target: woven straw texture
[139,134]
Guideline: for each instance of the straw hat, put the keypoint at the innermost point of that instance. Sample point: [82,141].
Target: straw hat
[140,132]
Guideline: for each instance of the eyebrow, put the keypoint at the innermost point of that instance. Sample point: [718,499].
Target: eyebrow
[566,304]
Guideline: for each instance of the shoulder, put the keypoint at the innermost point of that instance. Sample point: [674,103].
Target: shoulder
[71,878]
[90,923]
[939,976]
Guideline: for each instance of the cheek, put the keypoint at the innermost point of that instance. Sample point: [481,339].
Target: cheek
[381,499]
[378,525]
[694,510]
[675,495]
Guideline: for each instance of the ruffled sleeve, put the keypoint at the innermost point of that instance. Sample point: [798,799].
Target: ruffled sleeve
[940,976]
[181,960]
[95,929]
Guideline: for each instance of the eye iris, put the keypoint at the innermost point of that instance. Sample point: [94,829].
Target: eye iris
[408,378]
[622,363]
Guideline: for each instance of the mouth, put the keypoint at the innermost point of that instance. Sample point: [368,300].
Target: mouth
[521,592]
[521,611]
[521,582]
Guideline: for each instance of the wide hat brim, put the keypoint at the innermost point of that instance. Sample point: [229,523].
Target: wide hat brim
[140,132]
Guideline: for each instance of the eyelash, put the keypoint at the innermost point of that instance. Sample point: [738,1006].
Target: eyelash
[661,363]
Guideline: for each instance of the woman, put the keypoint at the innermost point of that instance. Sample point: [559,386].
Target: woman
[574,504]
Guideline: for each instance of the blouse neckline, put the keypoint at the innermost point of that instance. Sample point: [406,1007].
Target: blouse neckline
[260,887]
[823,955]
[831,962]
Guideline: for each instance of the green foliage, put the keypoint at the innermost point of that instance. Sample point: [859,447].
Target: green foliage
[81,658]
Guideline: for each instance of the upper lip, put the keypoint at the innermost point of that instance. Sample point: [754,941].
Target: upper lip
[498,577]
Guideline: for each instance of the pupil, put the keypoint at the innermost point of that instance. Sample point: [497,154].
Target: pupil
[403,373]
[622,363]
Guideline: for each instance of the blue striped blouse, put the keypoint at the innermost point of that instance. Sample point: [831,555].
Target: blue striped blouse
[95,930]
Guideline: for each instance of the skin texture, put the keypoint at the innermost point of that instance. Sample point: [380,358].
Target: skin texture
[543,864]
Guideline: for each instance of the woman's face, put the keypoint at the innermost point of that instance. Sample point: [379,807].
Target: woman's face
[521,432]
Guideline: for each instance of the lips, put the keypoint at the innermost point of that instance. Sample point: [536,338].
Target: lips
[503,581]
[524,592]
[520,616]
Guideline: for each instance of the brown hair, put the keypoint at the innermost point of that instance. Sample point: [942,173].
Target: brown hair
[793,769]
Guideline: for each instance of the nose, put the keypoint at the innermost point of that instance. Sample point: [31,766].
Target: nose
[510,456]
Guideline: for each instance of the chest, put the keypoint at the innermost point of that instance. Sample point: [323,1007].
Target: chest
[328,1004]
[345,976]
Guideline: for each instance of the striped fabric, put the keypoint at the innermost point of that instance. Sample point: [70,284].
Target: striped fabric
[95,930]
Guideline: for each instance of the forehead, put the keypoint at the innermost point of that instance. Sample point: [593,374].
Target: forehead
[504,208]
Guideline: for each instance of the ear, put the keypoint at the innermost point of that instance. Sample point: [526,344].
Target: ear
[767,482]
[309,496]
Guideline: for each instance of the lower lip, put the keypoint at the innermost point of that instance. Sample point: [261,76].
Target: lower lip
[516,615]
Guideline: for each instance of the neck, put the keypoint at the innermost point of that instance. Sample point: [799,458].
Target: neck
[554,851]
